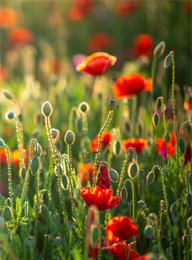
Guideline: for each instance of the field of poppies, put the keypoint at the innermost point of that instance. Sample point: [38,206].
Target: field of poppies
[95,130]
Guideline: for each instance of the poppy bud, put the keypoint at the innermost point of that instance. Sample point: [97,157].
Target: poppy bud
[189,200]
[168,60]
[2,143]
[117,148]
[111,104]
[84,107]
[46,109]
[95,235]
[156,119]
[113,175]
[54,133]
[38,150]
[7,94]
[189,223]
[141,204]
[65,182]
[149,231]
[159,49]
[34,165]
[69,137]
[20,118]
[7,214]
[10,115]
[133,170]
[124,194]
[181,144]
[150,178]
[43,211]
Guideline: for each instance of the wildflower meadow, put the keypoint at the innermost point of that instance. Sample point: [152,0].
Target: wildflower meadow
[95,130]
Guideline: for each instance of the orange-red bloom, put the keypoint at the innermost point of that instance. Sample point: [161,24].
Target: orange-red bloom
[99,41]
[137,143]
[101,198]
[164,148]
[121,228]
[97,63]
[105,141]
[14,156]
[125,8]
[188,105]
[129,85]
[79,10]
[86,171]
[20,36]
[8,17]
[143,45]
[3,74]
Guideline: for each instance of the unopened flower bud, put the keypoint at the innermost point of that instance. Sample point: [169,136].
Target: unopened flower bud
[55,133]
[46,109]
[111,104]
[159,49]
[7,94]
[10,115]
[83,107]
[69,137]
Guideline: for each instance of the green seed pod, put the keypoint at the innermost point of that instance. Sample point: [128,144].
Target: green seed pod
[189,200]
[10,115]
[117,148]
[7,94]
[43,211]
[46,109]
[159,49]
[113,175]
[168,60]
[83,107]
[189,223]
[7,214]
[181,144]
[133,170]
[156,119]
[150,178]
[141,204]
[124,194]
[20,118]
[111,104]
[2,143]
[149,231]
[69,137]
[34,165]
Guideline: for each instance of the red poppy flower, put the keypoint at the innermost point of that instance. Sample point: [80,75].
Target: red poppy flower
[20,36]
[148,85]
[103,180]
[105,141]
[99,41]
[129,85]
[14,157]
[125,8]
[101,198]
[164,148]
[121,250]
[188,105]
[121,228]
[143,45]
[86,171]
[3,74]
[137,143]
[79,10]
[8,17]
[97,63]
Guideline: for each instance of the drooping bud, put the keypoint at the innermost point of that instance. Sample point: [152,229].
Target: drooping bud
[69,137]
[55,133]
[168,60]
[124,194]
[133,170]
[46,109]
[159,49]
[189,223]
[113,175]
[43,211]
[111,104]
[7,94]
[117,148]
[150,178]
[156,119]
[34,165]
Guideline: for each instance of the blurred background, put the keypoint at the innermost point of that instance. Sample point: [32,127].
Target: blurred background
[44,37]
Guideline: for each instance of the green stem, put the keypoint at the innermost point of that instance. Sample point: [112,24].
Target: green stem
[133,198]
[10,184]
